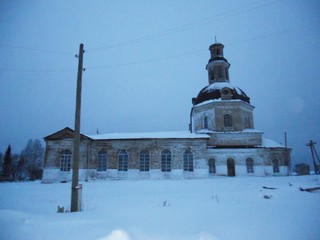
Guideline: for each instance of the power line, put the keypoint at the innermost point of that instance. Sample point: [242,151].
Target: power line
[273,34]
[184,27]
[36,50]
[235,11]
[37,70]
[157,59]
[147,61]
[268,35]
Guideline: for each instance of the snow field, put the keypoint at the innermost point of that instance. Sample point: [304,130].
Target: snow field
[202,209]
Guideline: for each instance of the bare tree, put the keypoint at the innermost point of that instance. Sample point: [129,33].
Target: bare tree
[32,157]
[20,173]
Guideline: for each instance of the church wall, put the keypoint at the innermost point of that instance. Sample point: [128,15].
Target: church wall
[240,111]
[55,148]
[154,146]
[198,118]
[235,139]
[262,158]
[89,156]
[55,175]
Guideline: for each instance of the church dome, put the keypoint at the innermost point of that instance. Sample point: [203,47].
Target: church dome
[222,91]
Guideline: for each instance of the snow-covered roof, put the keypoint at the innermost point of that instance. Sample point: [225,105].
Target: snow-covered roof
[244,131]
[213,92]
[268,143]
[147,135]
[220,85]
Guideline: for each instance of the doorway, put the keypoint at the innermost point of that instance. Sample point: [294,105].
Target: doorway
[231,167]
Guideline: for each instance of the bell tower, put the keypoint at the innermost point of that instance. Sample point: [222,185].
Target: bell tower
[218,66]
[221,110]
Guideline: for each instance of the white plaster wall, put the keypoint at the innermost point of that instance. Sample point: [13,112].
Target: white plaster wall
[221,170]
[198,118]
[201,173]
[262,161]
[54,175]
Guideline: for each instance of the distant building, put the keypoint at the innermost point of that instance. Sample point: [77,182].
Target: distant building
[302,169]
[221,141]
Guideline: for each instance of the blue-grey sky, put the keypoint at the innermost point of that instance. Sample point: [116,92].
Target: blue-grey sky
[145,60]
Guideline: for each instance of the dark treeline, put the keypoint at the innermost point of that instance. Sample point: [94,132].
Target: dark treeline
[28,165]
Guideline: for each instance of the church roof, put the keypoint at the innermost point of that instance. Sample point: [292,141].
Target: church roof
[269,143]
[148,135]
[213,92]
[66,133]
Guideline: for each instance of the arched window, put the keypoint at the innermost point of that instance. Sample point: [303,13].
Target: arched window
[188,161]
[227,120]
[123,160]
[220,71]
[212,165]
[144,161]
[227,74]
[275,165]
[102,161]
[249,163]
[205,122]
[247,122]
[65,161]
[166,161]
[211,74]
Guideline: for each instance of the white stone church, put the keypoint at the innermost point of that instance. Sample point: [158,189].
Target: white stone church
[221,141]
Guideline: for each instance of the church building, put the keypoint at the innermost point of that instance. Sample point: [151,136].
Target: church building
[221,141]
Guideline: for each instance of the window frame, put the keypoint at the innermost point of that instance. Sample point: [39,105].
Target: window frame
[227,73]
[275,166]
[212,167]
[166,160]
[123,158]
[205,122]
[188,161]
[227,120]
[250,165]
[65,160]
[144,163]
[102,161]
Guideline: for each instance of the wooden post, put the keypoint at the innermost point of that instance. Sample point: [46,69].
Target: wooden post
[311,145]
[287,155]
[75,188]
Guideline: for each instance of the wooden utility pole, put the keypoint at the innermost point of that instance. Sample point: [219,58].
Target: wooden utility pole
[287,156]
[76,188]
[313,153]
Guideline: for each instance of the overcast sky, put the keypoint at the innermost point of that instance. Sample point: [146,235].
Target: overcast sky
[145,60]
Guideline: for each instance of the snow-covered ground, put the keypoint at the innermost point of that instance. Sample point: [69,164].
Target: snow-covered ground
[206,209]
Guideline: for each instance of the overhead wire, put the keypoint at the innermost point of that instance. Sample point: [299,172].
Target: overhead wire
[162,58]
[36,49]
[146,61]
[150,37]
[37,70]
[272,34]
[184,27]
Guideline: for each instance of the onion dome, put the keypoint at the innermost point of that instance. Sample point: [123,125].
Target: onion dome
[220,91]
